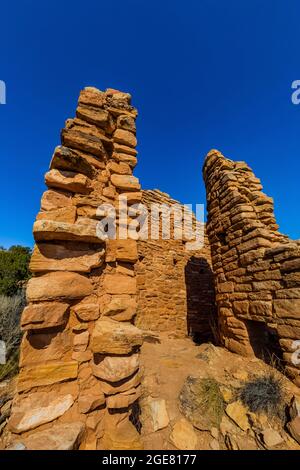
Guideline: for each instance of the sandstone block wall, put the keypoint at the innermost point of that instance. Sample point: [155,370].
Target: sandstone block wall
[80,351]
[257,269]
[175,285]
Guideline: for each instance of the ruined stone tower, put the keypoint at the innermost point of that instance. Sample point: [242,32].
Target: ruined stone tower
[82,375]
[257,269]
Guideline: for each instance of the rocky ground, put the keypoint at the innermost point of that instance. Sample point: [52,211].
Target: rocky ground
[171,417]
[170,414]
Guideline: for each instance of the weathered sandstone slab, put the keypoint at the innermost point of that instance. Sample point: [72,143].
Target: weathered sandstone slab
[96,116]
[89,402]
[121,250]
[121,386]
[63,257]
[124,399]
[183,435]
[46,374]
[113,337]
[44,315]
[55,200]
[119,284]
[82,141]
[121,308]
[68,180]
[87,310]
[127,123]
[45,346]
[125,182]
[44,230]
[63,214]
[114,369]
[66,159]
[91,96]
[125,137]
[37,409]
[59,437]
[58,285]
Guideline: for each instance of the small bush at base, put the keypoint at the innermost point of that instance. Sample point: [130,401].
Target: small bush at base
[264,395]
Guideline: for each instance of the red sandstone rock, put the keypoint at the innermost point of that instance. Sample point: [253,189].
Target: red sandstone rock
[125,182]
[63,214]
[44,315]
[55,199]
[114,369]
[65,257]
[37,409]
[112,337]
[46,374]
[68,180]
[124,137]
[118,284]
[58,285]
[121,250]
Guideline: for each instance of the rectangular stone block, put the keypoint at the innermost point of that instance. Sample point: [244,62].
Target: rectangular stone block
[287,308]
[58,285]
[46,374]
[63,257]
[44,315]
[119,284]
[81,141]
[63,214]
[121,250]
[70,160]
[46,230]
[68,180]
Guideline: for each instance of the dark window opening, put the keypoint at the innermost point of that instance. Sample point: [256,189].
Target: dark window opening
[222,238]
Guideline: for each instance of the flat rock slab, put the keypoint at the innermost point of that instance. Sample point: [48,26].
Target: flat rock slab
[58,285]
[112,337]
[47,374]
[183,435]
[59,437]
[37,409]
[114,369]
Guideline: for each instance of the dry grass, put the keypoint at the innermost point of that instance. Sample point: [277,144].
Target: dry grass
[212,400]
[201,402]
[264,394]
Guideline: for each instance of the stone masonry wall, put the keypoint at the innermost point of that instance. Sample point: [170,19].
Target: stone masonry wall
[175,285]
[79,365]
[257,269]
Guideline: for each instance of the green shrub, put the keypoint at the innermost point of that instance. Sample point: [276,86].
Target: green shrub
[13,269]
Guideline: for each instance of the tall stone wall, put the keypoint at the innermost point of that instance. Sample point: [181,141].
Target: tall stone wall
[79,365]
[257,269]
[175,284]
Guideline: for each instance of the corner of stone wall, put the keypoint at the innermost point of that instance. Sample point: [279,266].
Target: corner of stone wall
[79,366]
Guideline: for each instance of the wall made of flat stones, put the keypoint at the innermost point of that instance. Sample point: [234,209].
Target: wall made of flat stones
[257,269]
[175,284]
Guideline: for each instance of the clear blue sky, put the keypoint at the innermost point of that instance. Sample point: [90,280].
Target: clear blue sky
[203,73]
